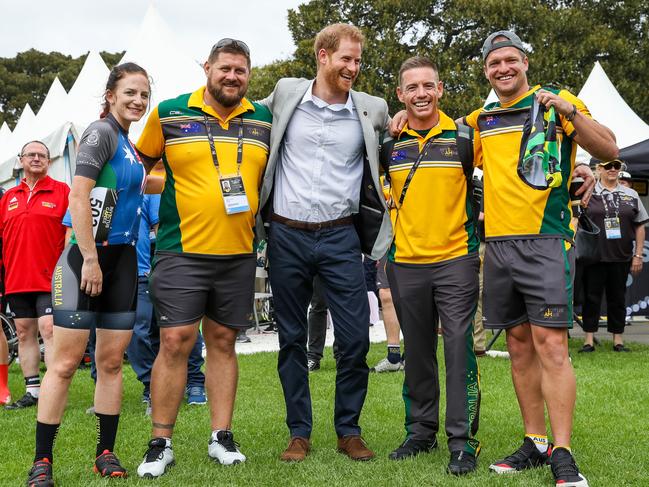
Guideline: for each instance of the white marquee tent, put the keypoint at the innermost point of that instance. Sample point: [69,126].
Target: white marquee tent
[5,134]
[171,70]
[48,117]
[83,104]
[609,108]
[63,117]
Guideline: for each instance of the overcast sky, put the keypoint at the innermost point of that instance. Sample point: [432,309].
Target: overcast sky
[76,26]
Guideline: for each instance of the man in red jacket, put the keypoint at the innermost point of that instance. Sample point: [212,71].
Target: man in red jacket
[32,236]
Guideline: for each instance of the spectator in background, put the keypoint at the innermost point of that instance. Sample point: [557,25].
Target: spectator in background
[479,332]
[393,361]
[625,179]
[5,394]
[145,341]
[317,322]
[621,216]
[32,240]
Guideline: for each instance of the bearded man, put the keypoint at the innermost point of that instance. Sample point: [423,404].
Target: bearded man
[323,205]
[214,144]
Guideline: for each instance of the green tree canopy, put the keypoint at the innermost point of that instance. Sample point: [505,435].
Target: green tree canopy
[565,38]
[27,77]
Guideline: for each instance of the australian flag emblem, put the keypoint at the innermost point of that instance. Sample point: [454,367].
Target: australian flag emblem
[398,155]
[190,128]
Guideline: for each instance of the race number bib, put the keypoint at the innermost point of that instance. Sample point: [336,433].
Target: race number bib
[234,194]
[612,226]
[102,206]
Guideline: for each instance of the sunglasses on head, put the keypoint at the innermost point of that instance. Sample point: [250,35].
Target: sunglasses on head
[611,165]
[226,42]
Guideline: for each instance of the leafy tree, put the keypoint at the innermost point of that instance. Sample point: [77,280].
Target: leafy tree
[565,38]
[27,77]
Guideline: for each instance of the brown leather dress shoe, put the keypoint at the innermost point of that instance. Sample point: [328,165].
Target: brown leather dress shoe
[297,450]
[354,447]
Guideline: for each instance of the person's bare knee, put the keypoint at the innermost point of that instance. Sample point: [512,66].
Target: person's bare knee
[386,297]
[64,368]
[176,343]
[109,365]
[520,344]
[46,327]
[220,339]
[552,347]
[26,330]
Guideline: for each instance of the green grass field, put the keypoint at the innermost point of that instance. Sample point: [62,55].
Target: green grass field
[609,443]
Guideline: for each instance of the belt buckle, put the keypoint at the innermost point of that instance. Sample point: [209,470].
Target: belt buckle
[318,226]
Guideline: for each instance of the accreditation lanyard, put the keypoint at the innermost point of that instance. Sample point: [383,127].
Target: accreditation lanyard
[612,224]
[210,138]
[414,167]
[232,188]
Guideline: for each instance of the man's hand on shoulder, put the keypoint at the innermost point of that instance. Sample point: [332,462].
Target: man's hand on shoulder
[397,123]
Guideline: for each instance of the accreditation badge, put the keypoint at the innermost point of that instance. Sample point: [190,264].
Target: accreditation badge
[234,194]
[612,226]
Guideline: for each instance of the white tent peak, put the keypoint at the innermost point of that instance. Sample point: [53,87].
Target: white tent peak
[85,97]
[609,108]
[173,72]
[48,117]
[20,135]
[26,119]
[5,133]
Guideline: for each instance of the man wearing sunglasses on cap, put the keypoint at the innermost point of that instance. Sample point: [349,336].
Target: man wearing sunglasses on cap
[214,144]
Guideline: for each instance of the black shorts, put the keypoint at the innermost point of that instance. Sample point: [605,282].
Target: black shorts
[114,308]
[528,281]
[381,275]
[184,288]
[30,305]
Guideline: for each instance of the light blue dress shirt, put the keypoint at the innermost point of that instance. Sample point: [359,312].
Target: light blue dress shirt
[320,164]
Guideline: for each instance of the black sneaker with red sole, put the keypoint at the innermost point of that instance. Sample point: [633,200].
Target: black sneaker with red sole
[107,465]
[40,474]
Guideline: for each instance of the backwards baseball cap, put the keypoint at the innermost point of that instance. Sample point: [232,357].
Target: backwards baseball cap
[624,175]
[511,40]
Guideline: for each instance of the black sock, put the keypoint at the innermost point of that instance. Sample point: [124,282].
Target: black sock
[394,354]
[45,436]
[106,431]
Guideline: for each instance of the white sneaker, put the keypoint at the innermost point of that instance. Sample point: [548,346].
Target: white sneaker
[386,366]
[224,449]
[157,459]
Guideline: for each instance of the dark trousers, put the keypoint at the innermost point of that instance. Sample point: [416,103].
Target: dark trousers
[421,294]
[610,277]
[317,322]
[296,257]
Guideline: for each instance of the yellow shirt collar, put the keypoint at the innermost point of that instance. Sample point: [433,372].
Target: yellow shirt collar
[445,123]
[196,101]
[524,95]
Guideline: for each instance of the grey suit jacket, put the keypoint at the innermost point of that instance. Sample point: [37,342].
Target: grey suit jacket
[373,220]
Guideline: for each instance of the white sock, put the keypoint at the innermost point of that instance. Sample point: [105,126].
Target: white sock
[540,441]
